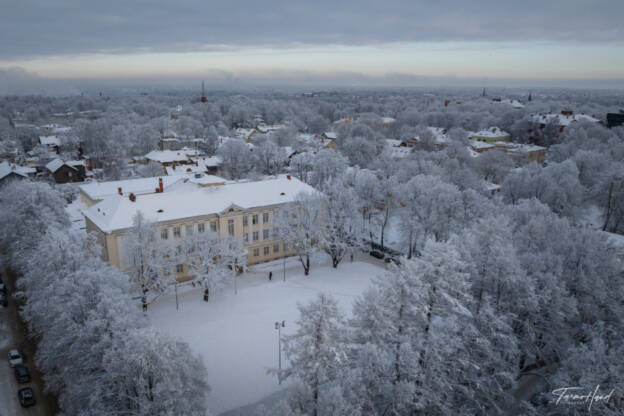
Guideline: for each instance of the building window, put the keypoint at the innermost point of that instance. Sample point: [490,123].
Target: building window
[267,250]
[254,219]
[246,237]
[276,248]
[189,230]
[176,232]
[256,252]
[179,268]
[164,234]
[285,246]
[231,227]
[265,217]
[265,234]
[245,221]
[201,227]
[255,236]
[213,226]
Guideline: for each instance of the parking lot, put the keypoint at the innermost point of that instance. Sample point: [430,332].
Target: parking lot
[13,335]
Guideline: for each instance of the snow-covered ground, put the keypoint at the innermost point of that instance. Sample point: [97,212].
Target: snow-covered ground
[235,333]
[74,210]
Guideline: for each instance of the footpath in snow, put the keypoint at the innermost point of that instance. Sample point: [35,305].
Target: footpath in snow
[235,333]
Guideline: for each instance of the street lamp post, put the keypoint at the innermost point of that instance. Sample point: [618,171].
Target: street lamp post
[176,293]
[279,326]
[284,268]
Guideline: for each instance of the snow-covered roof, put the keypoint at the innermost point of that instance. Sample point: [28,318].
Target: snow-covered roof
[512,102]
[331,135]
[388,120]
[477,145]
[203,180]
[199,165]
[139,186]
[49,140]
[342,121]
[398,152]
[56,164]
[116,213]
[564,120]
[439,133]
[492,132]
[167,156]
[61,129]
[263,128]
[393,142]
[208,161]
[74,163]
[6,169]
[518,147]
[244,133]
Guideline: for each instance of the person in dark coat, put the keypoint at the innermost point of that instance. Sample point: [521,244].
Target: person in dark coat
[270,276]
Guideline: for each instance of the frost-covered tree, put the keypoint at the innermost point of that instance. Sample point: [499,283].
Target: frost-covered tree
[316,352]
[299,224]
[148,260]
[149,373]
[27,211]
[269,158]
[235,158]
[342,225]
[327,164]
[430,208]
[213,259]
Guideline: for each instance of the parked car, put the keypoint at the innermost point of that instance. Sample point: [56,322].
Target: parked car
[15,358]
[22,375]
[4,299]
[26,396]
[377,254]
[393,260]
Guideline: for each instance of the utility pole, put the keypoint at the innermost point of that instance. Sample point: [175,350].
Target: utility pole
[284,268]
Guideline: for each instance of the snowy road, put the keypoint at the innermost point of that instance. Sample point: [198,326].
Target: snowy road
[12,336]
[235,334]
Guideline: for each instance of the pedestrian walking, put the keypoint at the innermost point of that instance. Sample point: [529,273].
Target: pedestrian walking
[270,276]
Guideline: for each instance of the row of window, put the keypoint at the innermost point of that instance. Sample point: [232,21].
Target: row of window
[177,230]
[201,227]
[266,250]
[255,236]
[254,219]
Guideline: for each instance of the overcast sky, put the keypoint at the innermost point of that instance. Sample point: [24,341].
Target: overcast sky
[525,40]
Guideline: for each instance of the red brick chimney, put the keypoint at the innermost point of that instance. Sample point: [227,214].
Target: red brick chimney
[132,197]
[160,185]
[119,191]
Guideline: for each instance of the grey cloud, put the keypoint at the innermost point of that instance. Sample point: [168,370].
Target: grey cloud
[31,28]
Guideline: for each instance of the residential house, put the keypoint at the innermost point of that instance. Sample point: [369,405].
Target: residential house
[67,171]
[563,120]
[168,157]
[10,171]
[491,135]
[53,143]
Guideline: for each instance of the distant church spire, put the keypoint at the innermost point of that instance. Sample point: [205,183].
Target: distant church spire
[203,97]
[529,96]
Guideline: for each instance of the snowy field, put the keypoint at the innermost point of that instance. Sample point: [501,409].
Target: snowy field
[235,334]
